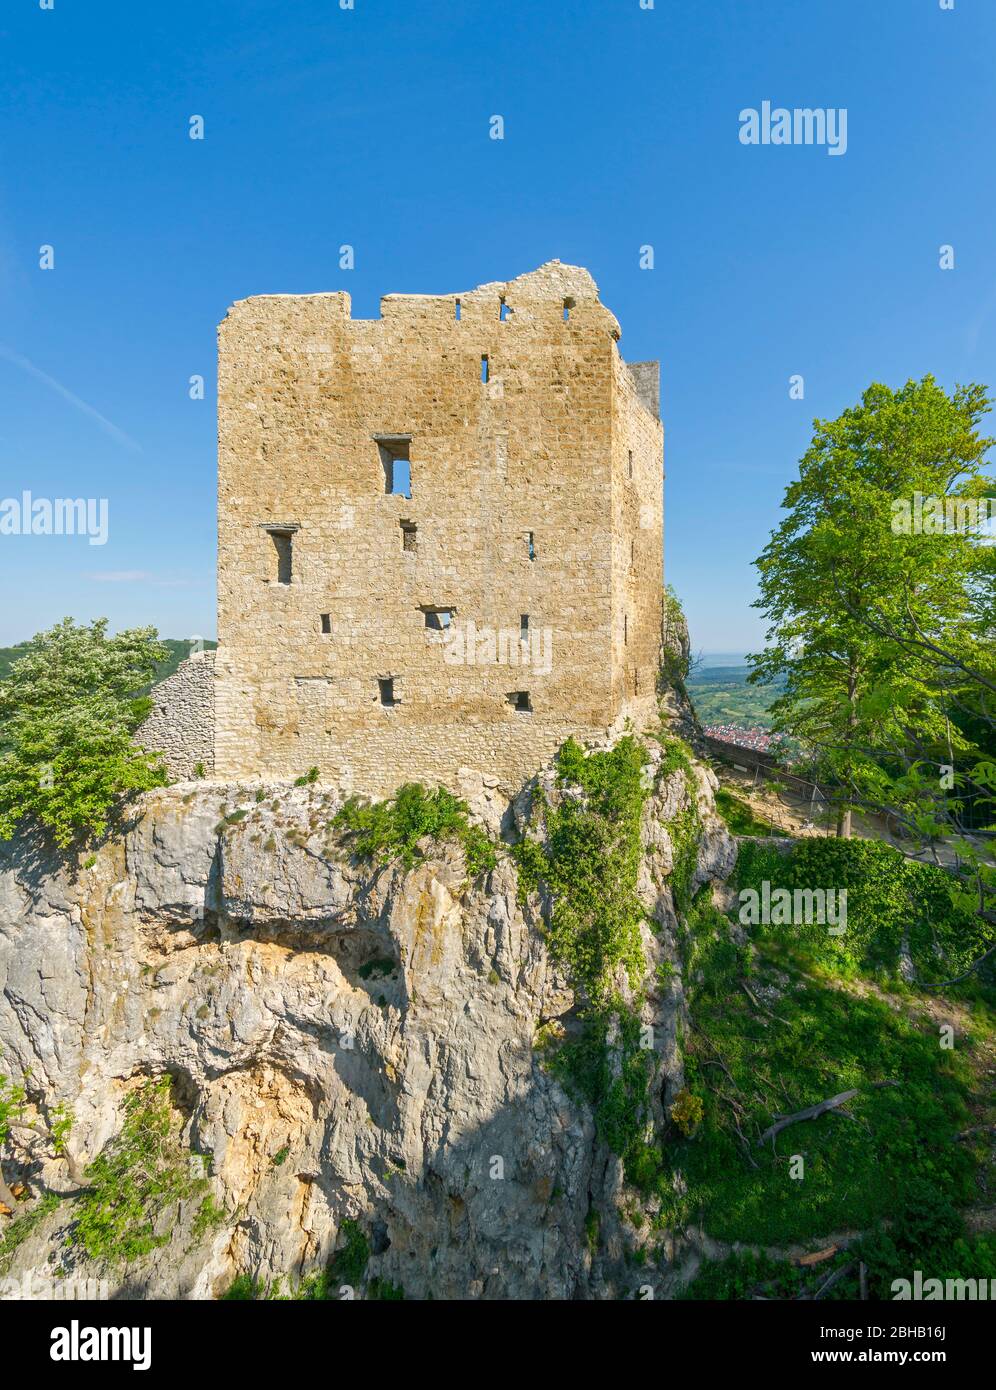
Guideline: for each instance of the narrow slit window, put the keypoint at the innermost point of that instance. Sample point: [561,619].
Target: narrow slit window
[524,627]
[568,306]
[386,688]
[625,629]
[409,536]
[631,463]
[458,311]
[326,623]
[485,370]
[283,545]
[395,457]
[519,700]
[632,552]
[531,545]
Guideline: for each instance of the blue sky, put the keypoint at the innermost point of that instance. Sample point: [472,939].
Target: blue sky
[371,127]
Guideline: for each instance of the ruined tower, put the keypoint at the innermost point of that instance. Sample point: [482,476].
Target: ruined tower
[440,533]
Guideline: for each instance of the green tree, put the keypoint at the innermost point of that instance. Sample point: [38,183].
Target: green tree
[68,710]
[845,588]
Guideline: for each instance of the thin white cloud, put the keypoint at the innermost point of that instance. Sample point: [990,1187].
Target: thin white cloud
[121,576]
[57,386]
[140,577]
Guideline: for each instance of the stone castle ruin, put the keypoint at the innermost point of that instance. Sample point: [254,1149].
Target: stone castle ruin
[440,533]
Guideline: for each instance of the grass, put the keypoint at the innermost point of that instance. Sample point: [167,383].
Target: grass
[807,1034]
[740,817]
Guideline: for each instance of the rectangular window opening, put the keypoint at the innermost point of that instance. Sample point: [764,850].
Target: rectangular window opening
[438,619]
[504,312]
[458,310]
[485,370]
[409,535]
[568,306]
[326,623]
[519,700]
[386,688]
[531,545]
[283,542]
[395,457]
[524,627]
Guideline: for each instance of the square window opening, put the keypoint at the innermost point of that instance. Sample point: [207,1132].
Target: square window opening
[437,619]
[519,700]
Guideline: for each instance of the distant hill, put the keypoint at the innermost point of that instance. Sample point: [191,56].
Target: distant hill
[178,651]
[721,695]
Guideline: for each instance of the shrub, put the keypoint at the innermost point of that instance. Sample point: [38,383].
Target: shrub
[386,830]
[687,1112]
[889,897]
[141,1173]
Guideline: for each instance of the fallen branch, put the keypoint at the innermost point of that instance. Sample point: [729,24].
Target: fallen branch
[813,1112]
[971,969]
[834,1278]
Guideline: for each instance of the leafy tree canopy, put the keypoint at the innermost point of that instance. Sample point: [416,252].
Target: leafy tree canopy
[68,710]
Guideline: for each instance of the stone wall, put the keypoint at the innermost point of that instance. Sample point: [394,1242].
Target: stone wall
[181,723]
[535,493]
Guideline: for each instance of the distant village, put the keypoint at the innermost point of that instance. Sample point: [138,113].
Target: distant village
[757,739]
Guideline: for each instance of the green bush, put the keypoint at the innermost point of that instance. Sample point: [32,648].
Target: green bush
[888,896]
[140,1175]
[587,857]
[385,830]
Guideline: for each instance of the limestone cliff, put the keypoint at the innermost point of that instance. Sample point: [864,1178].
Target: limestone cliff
[347,1042]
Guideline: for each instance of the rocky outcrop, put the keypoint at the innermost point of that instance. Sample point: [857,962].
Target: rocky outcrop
[347,1043]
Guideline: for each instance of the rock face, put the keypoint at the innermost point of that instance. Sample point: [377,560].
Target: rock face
[346,1041]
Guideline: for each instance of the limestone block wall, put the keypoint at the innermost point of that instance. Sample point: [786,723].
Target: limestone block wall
[181,723]
[507,597]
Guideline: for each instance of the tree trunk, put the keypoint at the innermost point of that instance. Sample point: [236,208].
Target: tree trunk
[844,815]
